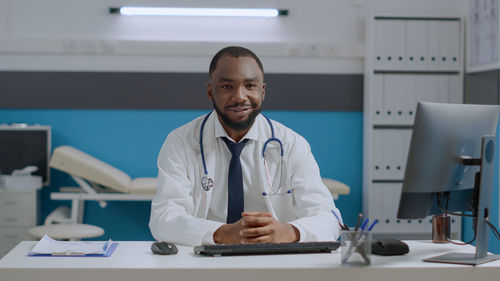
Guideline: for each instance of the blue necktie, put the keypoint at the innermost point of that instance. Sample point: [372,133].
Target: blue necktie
[235,203]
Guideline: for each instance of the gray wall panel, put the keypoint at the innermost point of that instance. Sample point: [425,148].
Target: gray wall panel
[338,92]
[123,90]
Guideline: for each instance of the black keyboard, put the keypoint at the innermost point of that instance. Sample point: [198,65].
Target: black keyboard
[266,248]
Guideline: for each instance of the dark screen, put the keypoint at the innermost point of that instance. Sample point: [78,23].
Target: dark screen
[23,147]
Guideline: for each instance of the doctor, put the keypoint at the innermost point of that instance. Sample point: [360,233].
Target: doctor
[234,176]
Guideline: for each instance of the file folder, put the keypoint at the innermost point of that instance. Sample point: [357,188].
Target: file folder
[377,155]
[427,88]
[403,139]
[391,194]
[376,205]
[399,39]
[384,48]
[422,38]
[454,44]
[433,45]
[442,91]
[402,93]
[378,99]
[454,89]
[444,45]
[379,51]
[409,102]
[411,44]
[389,96]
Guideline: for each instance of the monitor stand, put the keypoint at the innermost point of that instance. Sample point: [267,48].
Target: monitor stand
[483,209]
[462,258]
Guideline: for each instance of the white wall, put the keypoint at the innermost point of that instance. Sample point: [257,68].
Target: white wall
[319,36]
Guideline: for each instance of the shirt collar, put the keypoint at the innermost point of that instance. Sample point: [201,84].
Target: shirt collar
[252,134]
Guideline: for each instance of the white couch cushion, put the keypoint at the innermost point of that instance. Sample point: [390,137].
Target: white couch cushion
[144,186]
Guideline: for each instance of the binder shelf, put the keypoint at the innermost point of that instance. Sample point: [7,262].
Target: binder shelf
[408,59]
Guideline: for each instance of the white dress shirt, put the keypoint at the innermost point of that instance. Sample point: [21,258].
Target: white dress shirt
[182,212]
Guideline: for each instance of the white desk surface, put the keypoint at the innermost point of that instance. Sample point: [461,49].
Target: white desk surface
[134,261]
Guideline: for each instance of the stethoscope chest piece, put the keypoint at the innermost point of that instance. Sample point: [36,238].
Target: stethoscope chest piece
[207,183]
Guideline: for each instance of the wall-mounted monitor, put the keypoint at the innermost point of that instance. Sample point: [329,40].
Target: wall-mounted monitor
[23,145]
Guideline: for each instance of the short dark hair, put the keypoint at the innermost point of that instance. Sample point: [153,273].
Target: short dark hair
[235,52]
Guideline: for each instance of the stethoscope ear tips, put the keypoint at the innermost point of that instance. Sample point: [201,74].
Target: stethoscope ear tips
[264,194]
[289,191]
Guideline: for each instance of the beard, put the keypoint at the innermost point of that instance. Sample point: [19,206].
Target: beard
[239,125]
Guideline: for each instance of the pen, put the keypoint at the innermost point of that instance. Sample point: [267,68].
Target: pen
[372,225]
[106,245]
[358,221]
[365,222]
[341,223]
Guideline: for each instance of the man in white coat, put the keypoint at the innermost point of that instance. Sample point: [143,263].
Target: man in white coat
[214,185]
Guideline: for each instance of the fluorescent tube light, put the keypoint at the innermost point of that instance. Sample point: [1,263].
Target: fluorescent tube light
[200,12]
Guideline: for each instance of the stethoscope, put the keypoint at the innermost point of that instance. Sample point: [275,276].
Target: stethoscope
[207,183]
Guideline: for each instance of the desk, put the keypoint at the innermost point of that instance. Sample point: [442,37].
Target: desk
[134,261]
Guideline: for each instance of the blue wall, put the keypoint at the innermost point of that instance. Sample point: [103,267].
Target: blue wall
[131,139]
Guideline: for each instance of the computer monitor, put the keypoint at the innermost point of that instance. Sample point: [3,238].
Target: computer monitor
[23,145]
[450,144]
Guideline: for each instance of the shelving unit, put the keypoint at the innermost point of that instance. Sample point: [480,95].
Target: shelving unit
[18,213]
[408,59]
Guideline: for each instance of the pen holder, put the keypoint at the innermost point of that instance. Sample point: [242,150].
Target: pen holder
[440,228]
[355,247]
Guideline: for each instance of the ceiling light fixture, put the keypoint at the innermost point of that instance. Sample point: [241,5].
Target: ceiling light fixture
[198,12]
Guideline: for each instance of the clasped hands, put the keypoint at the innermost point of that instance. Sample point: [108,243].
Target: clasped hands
[256,227]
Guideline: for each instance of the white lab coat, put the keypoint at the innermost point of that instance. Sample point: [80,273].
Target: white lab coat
[180,207]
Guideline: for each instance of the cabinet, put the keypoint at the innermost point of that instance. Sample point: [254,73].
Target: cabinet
[18,213]
[408,59]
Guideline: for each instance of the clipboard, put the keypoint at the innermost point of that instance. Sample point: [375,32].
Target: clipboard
[50,247]
[111,249]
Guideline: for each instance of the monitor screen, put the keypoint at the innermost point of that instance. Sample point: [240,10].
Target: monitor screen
[22,146]
[442,135]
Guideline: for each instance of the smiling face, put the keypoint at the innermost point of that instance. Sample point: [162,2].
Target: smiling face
[237,89]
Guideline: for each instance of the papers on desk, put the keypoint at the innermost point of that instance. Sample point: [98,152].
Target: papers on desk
[49,246]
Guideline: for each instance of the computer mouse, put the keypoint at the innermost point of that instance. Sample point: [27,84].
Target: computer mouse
[164,248]
[389,247]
